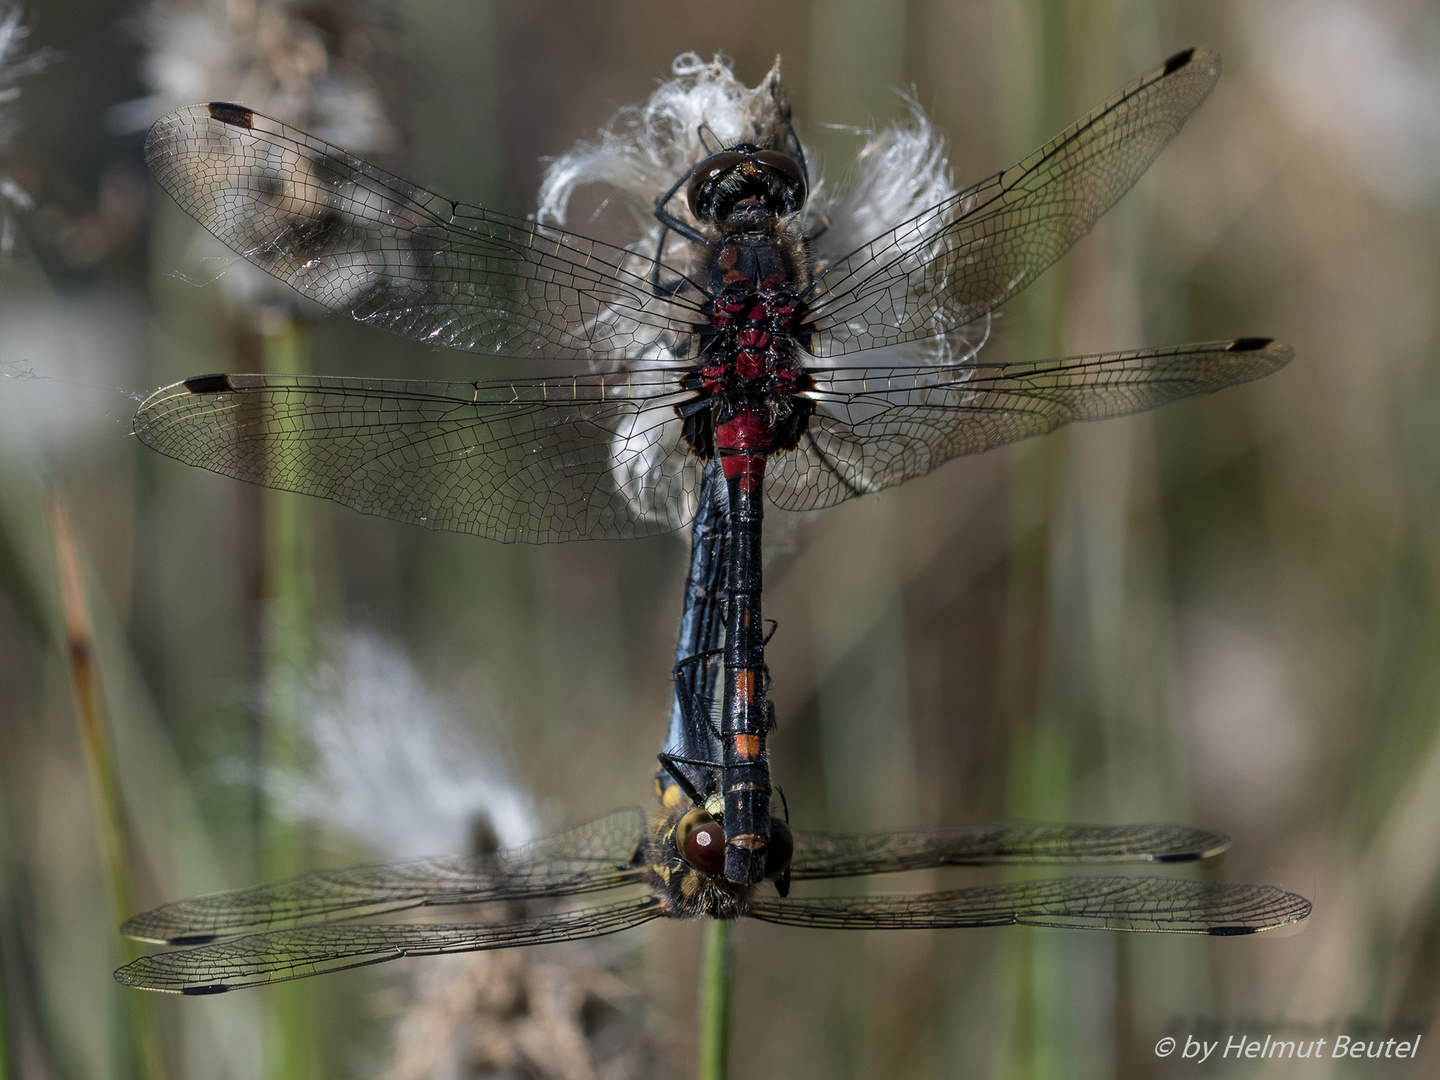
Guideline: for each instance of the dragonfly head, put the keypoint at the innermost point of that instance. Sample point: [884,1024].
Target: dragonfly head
[700,842]
[748,180]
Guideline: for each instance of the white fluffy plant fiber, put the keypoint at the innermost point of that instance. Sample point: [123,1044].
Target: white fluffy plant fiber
[391,764]
[900,172]
[15,64]
[646,148]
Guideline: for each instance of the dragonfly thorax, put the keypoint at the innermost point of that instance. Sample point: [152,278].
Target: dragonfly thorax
[750,380]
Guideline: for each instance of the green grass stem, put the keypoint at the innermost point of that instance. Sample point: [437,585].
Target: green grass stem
[6,1043]
[717,970]
[288,648]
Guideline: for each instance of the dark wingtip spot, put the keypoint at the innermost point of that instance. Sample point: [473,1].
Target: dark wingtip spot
[209,384]
[1231,931]
[1183,856]
[190,939]
[234,115]
[200,991]
[1248,344]
[1179,60]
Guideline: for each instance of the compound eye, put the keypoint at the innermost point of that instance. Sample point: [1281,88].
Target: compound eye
[702,182]
[780,850]
[701,842]
[789,168]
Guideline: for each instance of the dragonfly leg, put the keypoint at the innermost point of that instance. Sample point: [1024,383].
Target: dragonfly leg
[670,221]
[672,763]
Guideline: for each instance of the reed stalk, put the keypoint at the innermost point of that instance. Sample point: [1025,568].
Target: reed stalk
[1040,765]
[110,825]
[717,970]
[287,648]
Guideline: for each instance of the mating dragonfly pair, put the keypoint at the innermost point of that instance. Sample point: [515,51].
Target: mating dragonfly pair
[726,376]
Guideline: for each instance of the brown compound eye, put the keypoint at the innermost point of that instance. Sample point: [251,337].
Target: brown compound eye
[701,842]
[794,177]
[780,850]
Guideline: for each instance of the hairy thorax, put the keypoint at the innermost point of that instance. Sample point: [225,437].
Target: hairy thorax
[749,357]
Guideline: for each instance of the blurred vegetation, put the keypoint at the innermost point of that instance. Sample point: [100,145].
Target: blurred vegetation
[1226,612]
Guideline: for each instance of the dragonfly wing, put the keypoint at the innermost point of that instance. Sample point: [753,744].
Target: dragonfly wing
[818,855]
[875,427]
[596,855]
[1166,905]
[597,456]
[393,255]
[958,260]
[314,950]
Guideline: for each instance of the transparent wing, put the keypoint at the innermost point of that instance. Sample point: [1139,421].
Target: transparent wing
[1101,903]
[396,256]
[598,456]
[596,855]
[821,856]
[875,427]
[315,950]
[958,260]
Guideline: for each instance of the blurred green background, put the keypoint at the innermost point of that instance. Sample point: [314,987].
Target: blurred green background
[1225,613]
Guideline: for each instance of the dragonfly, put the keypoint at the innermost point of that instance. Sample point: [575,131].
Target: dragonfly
[672,862]
[739,352]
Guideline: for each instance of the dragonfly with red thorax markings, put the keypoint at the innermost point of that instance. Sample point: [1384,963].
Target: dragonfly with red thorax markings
[732,347]
[674,865]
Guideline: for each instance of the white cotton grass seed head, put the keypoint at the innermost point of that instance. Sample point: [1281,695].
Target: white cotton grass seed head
[645,148]
[307,64]
[15,64]
[901,171]
[390,766]
[390,763]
